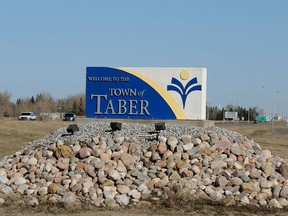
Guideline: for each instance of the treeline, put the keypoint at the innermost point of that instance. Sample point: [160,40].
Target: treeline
[41,103]
[45,103]
[215,113]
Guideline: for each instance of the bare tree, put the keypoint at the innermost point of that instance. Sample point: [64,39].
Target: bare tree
[41,103]
[73,103]
[5,104]
[44,103]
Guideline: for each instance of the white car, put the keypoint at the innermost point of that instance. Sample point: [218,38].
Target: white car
[27,116]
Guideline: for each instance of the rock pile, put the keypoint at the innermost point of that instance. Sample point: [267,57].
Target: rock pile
[128,166]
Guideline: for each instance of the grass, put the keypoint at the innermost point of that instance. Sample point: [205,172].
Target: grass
[15,134]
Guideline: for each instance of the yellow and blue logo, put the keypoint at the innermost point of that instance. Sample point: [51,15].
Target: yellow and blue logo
[184,91]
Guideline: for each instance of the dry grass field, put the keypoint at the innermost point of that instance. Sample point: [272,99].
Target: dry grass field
[14,134]
[272,137]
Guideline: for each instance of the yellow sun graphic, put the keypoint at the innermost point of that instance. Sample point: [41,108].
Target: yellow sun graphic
[184,75]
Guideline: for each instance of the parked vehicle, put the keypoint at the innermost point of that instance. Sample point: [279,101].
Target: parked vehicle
[69,116]
[27,116]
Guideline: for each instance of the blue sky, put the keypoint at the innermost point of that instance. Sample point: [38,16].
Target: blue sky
[46,45]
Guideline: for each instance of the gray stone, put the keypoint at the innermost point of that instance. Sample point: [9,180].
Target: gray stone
[19,181]
[3,179]
[236,181]
[283,202]
[123,189]
[86,186]
[76,148]
[114,175]
[108,195]
[32,161]
[84,152]
[2,201]
[204,137]
[274,203]
[261,196]
[187,147]
[244,198]
[68,197]
[197,141]
[135,194]
[236,150]
[284,193]
[245,178]
[162,148]
[221,181]
[43,191]
[127,160]
[276,191]
[255,174]
[33,201]
[218,163]
[186,138]
[172,143]
[122,200]
[223,144]
[7,190]
[284,170]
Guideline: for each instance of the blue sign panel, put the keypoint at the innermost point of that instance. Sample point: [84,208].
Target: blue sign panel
[116,93]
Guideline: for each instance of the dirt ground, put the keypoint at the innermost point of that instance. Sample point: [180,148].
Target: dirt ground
[15,134]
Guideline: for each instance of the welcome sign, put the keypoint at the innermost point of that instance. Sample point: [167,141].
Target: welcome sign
[146,93]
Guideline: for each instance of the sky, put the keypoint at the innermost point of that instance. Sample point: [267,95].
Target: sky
[46,45]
